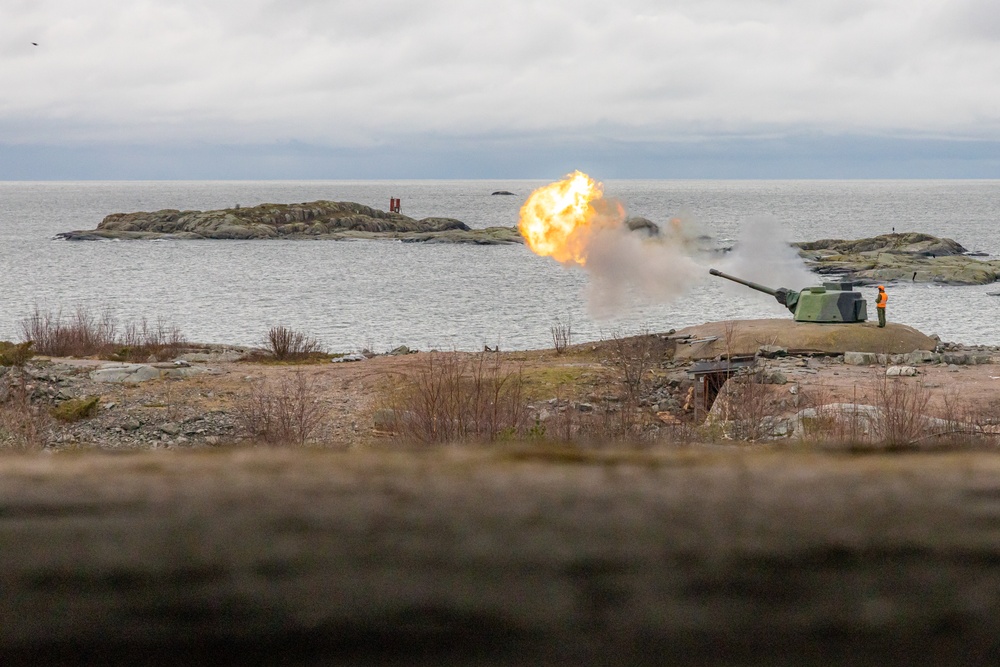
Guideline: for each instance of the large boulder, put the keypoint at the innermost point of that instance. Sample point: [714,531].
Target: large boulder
[638,223]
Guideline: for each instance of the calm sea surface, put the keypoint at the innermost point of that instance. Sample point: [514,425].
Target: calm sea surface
[381,294]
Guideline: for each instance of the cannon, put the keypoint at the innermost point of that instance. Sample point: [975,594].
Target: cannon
[826,303]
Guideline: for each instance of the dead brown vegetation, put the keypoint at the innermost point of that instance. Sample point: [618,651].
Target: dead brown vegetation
[24,426]
[287,344]
[562,334]
[458,397]
[747,402]
[285,411]
[86,334]
[631,359]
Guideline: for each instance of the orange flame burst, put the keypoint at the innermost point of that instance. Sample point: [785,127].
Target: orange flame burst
[557,219]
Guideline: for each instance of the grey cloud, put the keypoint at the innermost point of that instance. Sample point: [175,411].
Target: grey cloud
[359,73]
[978,19]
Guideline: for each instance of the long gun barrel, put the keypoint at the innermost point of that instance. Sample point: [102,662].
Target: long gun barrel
[756,286]
[786,297]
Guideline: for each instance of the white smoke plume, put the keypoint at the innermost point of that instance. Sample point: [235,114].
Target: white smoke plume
[762,254]
[627,266]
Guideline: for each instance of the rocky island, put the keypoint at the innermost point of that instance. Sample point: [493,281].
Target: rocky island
[908,257]
[310,220]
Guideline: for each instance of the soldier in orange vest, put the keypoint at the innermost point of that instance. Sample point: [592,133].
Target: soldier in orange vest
[880,305]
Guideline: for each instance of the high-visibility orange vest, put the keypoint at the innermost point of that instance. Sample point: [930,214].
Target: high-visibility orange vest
[881,299]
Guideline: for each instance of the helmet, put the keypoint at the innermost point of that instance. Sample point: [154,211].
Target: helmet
[881,287]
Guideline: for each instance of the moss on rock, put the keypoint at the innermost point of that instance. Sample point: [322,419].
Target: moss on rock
[76,409]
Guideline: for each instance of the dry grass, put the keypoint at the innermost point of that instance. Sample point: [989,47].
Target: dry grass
[832,427]
[140,341]
[15,354]
[966,425]
[893,413]
[884,413]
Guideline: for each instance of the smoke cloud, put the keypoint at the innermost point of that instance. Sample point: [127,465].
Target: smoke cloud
[627,266]
[763,254]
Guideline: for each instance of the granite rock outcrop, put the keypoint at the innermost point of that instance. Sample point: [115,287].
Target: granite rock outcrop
[908,257]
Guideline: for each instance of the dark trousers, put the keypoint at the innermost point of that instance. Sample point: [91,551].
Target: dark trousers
[881,316]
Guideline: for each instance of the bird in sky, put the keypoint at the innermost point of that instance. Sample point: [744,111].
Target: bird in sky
[34,43]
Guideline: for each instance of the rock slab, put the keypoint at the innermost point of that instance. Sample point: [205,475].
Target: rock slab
[136,373]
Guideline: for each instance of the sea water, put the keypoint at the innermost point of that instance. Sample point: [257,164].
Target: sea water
[380,294]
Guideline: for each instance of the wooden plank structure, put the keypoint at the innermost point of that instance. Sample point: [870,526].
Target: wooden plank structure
[710,376]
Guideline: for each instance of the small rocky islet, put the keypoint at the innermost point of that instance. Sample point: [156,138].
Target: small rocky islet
[909,257]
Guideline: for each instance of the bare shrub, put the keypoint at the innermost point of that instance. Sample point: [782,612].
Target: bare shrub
[900,408]
[632,358]
[593,426]
[745,401]
[139,341]
[79,335]
[746,404]
[562,334]
[730,330]
[287,344]
[614,425]
[965,425]
[85,334]
[23,426]
[455,397]
[282,412]
[834,424]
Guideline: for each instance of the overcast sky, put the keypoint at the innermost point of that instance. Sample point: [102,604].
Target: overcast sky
[519,89]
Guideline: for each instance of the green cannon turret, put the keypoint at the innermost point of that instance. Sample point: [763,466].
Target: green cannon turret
[827,303]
